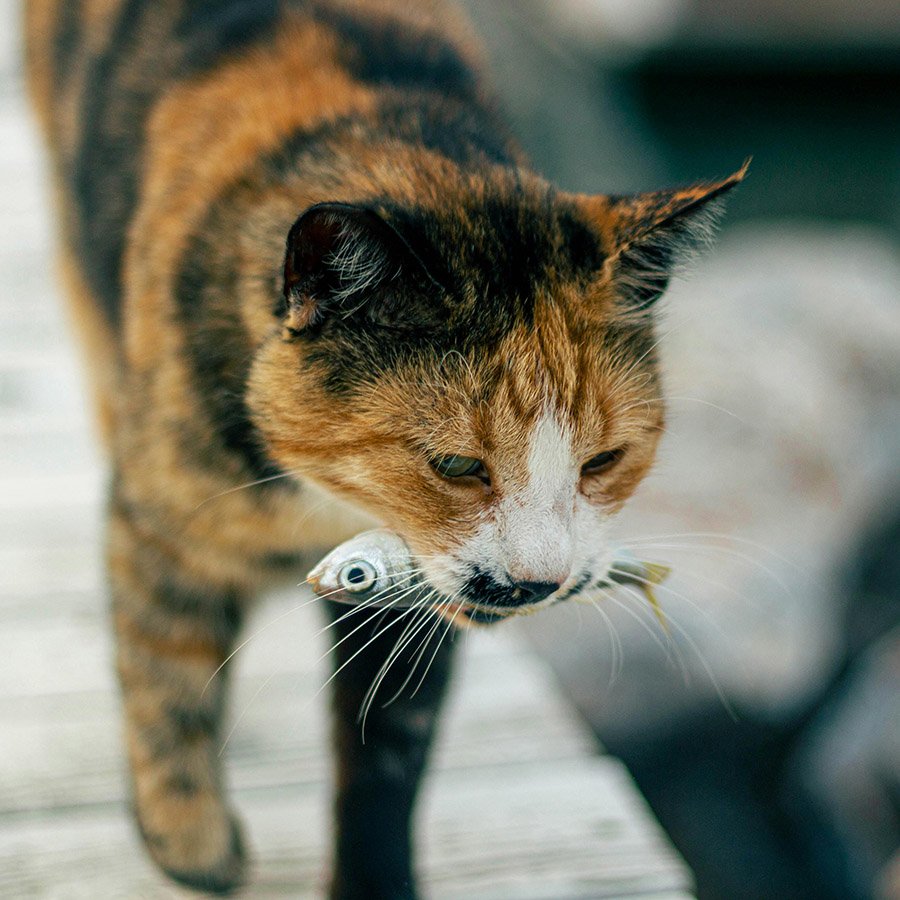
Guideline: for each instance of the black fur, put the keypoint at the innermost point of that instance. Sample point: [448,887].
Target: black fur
[211,29]
[104,175]
[387,53]
[217,344]
[483,589]
[381,767]
[66,42]
[123,83]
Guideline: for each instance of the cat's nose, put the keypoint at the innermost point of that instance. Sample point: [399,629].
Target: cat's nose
[534,591]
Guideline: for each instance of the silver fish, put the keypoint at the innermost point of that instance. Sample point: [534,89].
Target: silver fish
[376,568]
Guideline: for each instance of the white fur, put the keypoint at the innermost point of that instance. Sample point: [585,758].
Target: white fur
[360,266]
[534,523]
[542,530]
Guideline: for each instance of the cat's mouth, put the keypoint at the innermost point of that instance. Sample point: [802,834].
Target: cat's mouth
[465,615]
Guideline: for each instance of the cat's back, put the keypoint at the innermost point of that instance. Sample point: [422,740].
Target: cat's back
[146,97]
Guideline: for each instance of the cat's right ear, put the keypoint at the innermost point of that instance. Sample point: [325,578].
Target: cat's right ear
[646,237]
[346,260]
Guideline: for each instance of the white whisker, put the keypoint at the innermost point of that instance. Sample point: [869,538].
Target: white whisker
[721,409]
[373,638]
[244,712]
[443,637]
[243,487]
[402,642]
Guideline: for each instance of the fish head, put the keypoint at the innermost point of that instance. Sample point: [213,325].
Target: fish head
[363,568]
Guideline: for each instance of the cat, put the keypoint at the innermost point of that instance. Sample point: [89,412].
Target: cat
[319,286]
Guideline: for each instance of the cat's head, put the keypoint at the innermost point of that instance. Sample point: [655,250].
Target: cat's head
[480,371]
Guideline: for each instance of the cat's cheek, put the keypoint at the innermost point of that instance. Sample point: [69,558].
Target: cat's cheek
[591,525]
[448,564]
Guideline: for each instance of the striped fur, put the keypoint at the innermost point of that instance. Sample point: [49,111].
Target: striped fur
[305,256]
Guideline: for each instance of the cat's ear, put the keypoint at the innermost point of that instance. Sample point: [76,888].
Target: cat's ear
[648,236]
[344,260]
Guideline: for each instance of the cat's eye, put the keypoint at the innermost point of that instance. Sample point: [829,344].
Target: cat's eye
[602,461]
[456,466]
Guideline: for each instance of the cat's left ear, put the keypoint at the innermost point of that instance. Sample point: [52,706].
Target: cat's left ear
[647,236]
[347,260]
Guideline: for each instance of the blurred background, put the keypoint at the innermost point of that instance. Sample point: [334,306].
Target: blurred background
[765,728]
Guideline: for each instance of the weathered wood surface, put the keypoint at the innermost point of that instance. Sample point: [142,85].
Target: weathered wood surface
[519,805]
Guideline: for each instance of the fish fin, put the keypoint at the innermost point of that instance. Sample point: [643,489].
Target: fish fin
[652,599]
[656,572]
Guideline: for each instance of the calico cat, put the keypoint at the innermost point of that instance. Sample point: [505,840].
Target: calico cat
[319,286]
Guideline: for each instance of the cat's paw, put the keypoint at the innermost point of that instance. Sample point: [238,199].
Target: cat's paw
[198,845]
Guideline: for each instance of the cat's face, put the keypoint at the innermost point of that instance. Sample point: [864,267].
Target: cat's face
[501,468]
[494,399]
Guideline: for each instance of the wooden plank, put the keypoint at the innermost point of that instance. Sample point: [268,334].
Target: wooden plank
[530,845]
[517,808]
[63,749]
[512,812]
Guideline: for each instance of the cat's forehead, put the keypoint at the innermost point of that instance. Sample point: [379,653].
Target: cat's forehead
[581,377]
[498,247]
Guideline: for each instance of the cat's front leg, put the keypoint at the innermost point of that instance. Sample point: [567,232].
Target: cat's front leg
[380,762]
[173,630]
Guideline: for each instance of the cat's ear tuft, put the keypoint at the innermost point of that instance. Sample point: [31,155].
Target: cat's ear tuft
[343,260]
[649,236]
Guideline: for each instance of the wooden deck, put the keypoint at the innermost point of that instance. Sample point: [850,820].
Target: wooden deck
[519,805]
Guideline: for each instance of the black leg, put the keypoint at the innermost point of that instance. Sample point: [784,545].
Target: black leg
[379,766]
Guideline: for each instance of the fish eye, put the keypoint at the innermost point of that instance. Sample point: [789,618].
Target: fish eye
[358,576]
[602,461]
[456,466]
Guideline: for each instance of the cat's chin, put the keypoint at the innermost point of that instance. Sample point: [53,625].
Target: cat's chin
[462,615]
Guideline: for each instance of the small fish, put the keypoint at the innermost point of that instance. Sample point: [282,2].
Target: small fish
[628,569]
[376,568]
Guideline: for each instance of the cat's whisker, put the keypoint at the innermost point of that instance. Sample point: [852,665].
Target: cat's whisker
[641,604]
[608,595]
[410,630]
[289,612]
[677,594]
[714,681]
[256,694]
[646,403]
[243,487]
[420,653]
[703,577]
[626,383]
[707,668]
[708,403]
[411,626]
[244,712]
[400,645]
[636,363]
[712,535]
[724,551]
[365,645]
[255,634]
[380,602]
[309,513]
[439,611]
[405,577]
[614,642]
[443,637]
